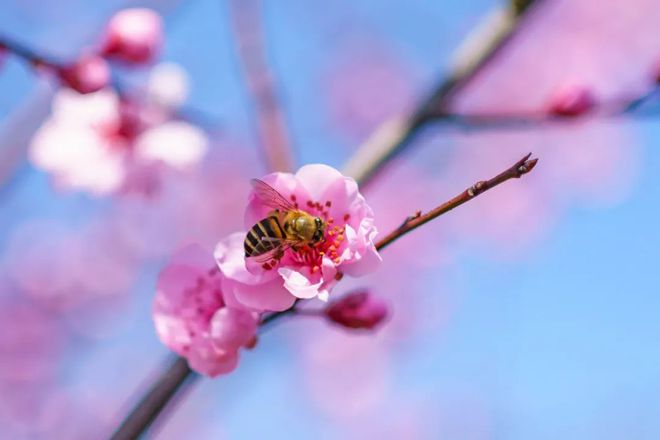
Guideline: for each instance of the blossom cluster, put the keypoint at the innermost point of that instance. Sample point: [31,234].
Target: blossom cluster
[206,312]
[103,142]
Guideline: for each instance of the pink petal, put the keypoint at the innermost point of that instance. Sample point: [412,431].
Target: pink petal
[268,296]
[176,143]
[298,284]
[232,328]
[317,178]
[230,257]
[208,360]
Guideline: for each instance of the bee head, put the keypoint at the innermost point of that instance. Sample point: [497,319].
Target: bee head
[318,233]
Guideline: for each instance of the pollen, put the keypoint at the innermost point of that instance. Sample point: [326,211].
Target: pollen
[331,220]
[337,260]
[315,269]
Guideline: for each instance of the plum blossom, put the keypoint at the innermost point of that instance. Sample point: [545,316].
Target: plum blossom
[102,142]
[347,247]
[133,35]
[192,317]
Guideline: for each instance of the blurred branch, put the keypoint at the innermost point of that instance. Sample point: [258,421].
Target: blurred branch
[393,136]
[250,45]
[532,119]
[155,400]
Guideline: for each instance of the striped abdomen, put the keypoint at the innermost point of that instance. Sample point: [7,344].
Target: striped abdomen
[265,236]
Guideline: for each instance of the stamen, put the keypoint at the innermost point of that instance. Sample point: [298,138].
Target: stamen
[346,217]
[328,203]
[293,197]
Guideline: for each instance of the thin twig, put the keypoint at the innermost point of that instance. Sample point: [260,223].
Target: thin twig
[274,136]
[393,136]
[520,168]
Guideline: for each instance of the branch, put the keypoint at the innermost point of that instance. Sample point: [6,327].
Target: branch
[517,170]
[394,136]
[249,38]
[30,56]
[155,400]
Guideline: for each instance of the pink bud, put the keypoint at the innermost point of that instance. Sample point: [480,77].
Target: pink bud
[87,75]
[572,101]
[656,72]
[133,36]
[3,54]
[358,309]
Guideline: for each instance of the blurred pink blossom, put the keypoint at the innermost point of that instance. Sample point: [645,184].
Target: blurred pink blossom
[347,247]
[367,84]
[102,143]
[347,375]
[64,268]
[133,35]
[89,74]
[192,317]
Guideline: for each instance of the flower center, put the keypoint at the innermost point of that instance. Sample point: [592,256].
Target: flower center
[311,254]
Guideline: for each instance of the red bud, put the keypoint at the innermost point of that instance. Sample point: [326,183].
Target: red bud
[87,75]
[358,309]
[572,101]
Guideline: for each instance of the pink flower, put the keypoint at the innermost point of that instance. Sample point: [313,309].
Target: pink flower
[134,35]
[346,248]
[358,309]
[101,144]
[572,101]
[192,317]
[88,74]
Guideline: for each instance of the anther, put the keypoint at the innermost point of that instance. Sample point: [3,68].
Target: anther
[346,217]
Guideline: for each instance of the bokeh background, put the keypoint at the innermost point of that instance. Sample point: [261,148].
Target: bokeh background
[532,312]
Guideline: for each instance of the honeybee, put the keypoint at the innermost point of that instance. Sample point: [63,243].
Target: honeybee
[285,227]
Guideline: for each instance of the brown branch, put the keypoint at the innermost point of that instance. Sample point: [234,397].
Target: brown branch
[273,133]
[394,136]
[520,168]
[155,400]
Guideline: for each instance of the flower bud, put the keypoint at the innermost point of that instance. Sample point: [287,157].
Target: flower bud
[133,36]
[572,101]
[3,54]
[87,75]
[656,72]
[358,309]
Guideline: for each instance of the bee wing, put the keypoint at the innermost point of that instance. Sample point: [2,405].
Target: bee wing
[273,254]
[270,197]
